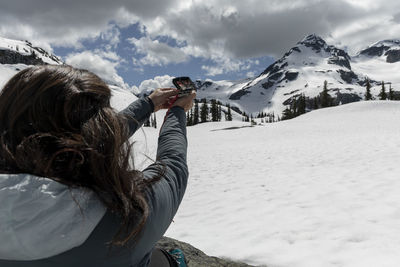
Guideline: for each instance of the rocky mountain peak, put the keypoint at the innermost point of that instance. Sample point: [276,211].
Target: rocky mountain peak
[314,41]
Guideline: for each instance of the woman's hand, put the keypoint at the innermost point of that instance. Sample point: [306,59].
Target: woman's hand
[185,102]
[161,96]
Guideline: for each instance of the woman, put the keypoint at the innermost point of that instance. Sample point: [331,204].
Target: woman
[69,195]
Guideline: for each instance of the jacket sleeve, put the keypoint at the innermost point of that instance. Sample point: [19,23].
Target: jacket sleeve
[165,196]
[137,113]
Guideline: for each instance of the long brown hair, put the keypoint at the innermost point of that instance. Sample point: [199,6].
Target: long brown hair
[56,122]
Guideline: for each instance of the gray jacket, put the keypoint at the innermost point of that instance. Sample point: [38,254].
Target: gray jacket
[41,224]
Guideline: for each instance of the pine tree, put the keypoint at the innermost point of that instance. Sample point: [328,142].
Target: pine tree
[325,97]
[391,95]
[196,113]
[155,121]
[287,114]
[219,111]
[315,103]
[214,110]
[293,107]
[188,119]
[382,94]
[245,116]
[271,117]
[204,111]
[302,105]
[368,95]
[229,113]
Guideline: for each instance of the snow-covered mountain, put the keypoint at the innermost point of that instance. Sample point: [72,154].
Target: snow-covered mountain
[303,70]
[17,55]
[388,49]
[23,52]
[380,61]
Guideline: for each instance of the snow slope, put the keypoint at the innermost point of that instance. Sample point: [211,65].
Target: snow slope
[26,48]
[318,190]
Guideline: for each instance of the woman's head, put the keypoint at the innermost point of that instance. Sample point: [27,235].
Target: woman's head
[56,122]
[50,99]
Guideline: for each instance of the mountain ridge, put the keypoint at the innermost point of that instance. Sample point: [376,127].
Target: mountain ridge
[303,70]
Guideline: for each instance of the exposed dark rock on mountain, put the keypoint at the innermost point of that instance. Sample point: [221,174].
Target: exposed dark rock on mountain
[268,84]
[12,57]
[393,56]
[388,48]
[340,61]
[313,41]
[274,68]
[236,109]
[291,75]
[374,51]
[275,76]
[348,76]
[237,95]
[203,85]
[296,49]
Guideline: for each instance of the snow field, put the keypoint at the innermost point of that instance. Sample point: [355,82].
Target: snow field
[318,190]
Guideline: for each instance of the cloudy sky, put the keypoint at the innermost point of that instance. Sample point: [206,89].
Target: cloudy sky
[144,43]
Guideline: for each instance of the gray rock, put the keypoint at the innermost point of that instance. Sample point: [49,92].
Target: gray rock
[237,110]
[313,41]
[195,257]
[340,61]
[291,75]
[348,76]
[392,56]
[12,57]
[374,51]
[275,76]
[237,95]
[296,49]
[268,84]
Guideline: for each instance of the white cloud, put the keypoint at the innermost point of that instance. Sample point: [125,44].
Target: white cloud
[164,81]
[157,53]
[224,31]
[250,74]
[243,29]
[109,55]
[112,35]
[98,64]
[225,65]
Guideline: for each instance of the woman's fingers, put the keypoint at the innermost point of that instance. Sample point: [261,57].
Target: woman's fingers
[186,102]
[160,97]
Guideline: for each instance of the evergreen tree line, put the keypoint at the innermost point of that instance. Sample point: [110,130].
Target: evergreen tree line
[205,112]
[383,94]
[302,104]
[151,122]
